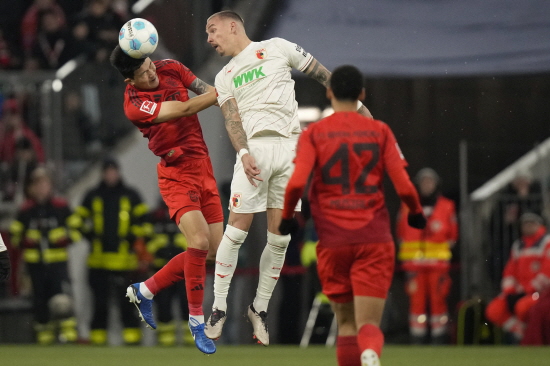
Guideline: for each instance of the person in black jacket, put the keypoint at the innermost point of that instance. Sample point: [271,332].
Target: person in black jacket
[113,216]
[43,229]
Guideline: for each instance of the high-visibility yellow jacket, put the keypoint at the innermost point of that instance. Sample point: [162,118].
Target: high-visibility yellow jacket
[44,230]
[113,218]
[432,245]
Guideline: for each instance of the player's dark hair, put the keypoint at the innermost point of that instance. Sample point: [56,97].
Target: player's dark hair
[346,83]
[125,64]
[228,14]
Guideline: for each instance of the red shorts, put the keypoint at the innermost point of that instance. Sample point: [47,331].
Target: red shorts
[356,270]
[188,186]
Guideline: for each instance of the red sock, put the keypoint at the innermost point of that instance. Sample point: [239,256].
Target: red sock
[172,272]
[370,337]
[195,273]
[347,351]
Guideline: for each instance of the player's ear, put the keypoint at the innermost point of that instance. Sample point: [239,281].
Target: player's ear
[129,81]
[363,94]
[329,94]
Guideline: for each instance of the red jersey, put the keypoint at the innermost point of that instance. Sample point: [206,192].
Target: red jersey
[348,154]
[172,139]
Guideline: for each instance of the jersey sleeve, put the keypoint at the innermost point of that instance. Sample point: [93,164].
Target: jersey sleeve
[185,73]
[140,107]
[297,57]
[224,93]
[303,165]
[395,164]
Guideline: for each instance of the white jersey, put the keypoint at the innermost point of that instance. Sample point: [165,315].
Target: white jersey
[258,78]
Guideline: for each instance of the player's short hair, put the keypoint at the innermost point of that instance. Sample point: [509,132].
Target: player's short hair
[228,14]
[346,83]
[125,64]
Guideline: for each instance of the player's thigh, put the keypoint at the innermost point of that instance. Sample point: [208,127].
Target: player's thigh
[283,162]
[372,269]
[245,198]
[180,187]
[368,310]
[241,221]
[274,216]
[196,230]
[345,318]
[333,268]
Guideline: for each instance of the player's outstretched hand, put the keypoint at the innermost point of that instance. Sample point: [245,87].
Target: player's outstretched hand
[288,226]
[5,266]
[418,221]
[251,169]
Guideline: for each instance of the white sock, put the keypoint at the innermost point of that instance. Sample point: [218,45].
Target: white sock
[271,263]
[195,320]
[145,291]
[226,262]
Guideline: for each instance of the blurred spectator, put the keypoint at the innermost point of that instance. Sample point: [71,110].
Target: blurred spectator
[166,242]
[522,195]
[425,256]
[31,20]
[44,227]
[100,25]
[526,275]
[12,127]
[75,115]
[113,216]
[9,57]
[16,176]
[54,45]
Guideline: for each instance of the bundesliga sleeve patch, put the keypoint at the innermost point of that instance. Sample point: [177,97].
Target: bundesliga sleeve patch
[148,107]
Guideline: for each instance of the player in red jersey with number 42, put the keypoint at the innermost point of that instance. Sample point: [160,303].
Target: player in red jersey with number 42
[348,154]
[157,102]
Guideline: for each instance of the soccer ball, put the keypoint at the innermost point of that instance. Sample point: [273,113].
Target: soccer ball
[138,38]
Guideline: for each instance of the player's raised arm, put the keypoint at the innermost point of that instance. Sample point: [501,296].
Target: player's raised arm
[199,87]
[237,135]
[174,109]
[318,72]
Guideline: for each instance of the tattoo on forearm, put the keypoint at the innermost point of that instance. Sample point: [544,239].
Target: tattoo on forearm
[318,72]
[234,125]
[364,111]
[199,87]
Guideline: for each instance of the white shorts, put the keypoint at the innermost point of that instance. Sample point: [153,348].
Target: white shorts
[275,158]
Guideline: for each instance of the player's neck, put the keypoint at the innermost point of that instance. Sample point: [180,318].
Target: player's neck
[241,45]
[343,106]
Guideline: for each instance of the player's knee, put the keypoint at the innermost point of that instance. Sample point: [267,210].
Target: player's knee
[198,241]
[236,236]
[277,243]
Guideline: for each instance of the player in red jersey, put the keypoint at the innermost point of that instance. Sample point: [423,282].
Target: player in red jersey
[348,155]
[157,102]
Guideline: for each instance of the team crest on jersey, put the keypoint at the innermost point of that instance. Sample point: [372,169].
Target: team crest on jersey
[193,195]
[261,54]
[535,266]
[148,107]
[236,200]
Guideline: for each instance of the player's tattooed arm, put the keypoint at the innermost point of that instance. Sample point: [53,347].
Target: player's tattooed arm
[237,135]
[318,72]
[200,87]
[234,125]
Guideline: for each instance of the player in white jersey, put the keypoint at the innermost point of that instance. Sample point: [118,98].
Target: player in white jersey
[256,96]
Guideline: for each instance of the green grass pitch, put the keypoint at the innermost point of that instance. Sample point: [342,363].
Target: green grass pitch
[265,356]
